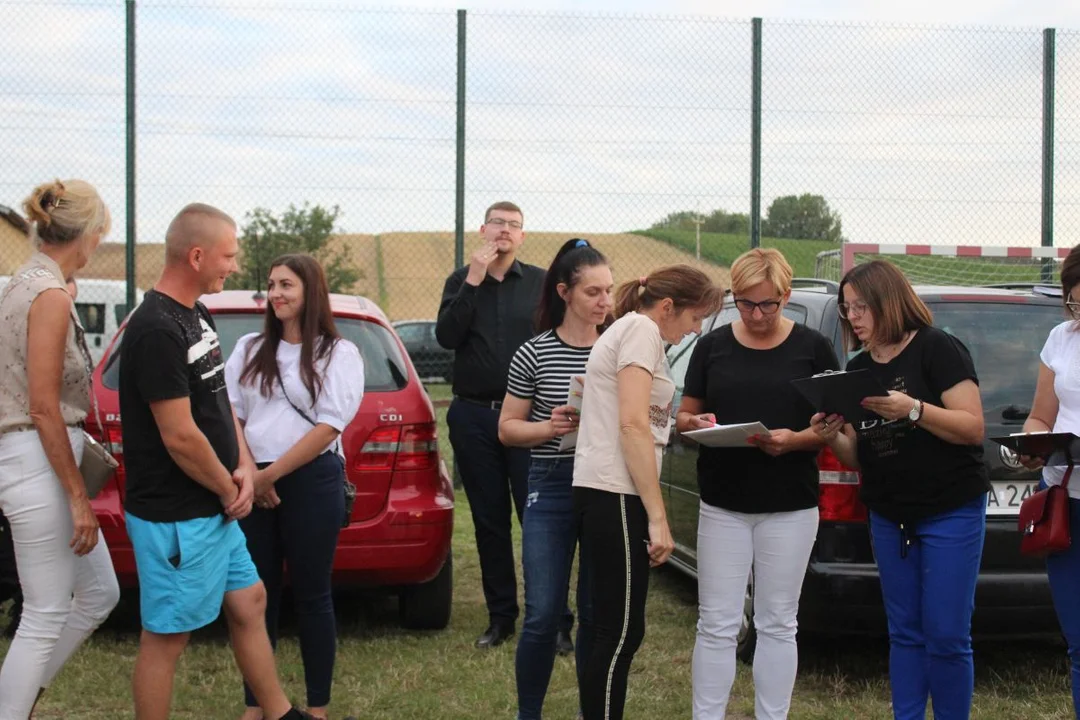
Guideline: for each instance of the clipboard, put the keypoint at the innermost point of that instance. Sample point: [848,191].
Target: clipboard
[1061,448]
[840,392]
[727,435]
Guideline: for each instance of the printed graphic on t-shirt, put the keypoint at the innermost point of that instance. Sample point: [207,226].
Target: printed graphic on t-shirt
[660,416]
[206,360]
[883,434]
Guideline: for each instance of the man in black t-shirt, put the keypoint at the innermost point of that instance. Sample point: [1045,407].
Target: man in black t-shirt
[189,473]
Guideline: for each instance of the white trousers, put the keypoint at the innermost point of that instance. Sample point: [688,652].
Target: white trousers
[777,546]
[65,597]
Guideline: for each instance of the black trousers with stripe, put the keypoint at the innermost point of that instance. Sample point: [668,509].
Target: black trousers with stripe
[615,561]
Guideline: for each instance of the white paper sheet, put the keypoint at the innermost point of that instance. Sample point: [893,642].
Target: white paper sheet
[727,435]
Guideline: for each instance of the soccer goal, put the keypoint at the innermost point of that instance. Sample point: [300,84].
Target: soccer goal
[950,264]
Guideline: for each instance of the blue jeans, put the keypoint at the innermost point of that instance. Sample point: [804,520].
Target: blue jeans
[1063,572]
[929,594]
[302,534]
[548,539]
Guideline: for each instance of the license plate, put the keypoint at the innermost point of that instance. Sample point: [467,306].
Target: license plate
[1005,497]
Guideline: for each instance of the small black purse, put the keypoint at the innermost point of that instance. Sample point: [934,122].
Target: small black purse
[349,489]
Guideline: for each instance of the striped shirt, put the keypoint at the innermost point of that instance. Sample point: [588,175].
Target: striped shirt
[540,371]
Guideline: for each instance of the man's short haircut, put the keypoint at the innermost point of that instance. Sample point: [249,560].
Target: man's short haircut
[506,206]
[188,229]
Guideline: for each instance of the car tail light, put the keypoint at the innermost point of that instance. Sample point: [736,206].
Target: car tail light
[116,441]
[379,450]
[838,490]
[399,447]
[419,449]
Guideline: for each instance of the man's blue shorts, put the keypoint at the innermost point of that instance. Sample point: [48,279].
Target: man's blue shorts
[185,568]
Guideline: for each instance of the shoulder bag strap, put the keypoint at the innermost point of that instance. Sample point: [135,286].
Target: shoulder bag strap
[80,339]
[301,413]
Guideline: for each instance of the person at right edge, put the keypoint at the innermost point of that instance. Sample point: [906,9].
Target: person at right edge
[625,421]
[1056,408]
[759,503]
[190,475]
[485,315]
[923,481]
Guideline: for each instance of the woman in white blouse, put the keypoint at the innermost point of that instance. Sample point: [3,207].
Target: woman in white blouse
[295,387]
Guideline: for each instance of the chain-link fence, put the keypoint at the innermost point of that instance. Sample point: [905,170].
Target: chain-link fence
[337,129]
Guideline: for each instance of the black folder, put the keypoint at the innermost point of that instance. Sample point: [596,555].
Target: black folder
[840,392]
[1061,448]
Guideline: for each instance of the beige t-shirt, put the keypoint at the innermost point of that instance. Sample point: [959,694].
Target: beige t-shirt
[633,339]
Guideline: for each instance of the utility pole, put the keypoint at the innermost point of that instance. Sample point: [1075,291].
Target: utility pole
[698,222]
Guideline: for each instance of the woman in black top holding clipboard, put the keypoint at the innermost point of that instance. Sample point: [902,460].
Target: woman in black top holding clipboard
[923,481]
[759,502]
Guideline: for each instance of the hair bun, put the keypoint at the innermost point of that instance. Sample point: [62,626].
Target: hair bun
[43,201]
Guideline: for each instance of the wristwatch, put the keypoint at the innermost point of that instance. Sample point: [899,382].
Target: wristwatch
[916,412]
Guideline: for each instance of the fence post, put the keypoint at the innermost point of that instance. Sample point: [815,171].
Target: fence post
[129,121]
[755,137]
[459,180]
[1049,37]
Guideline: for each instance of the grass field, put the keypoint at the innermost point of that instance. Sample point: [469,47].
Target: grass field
[722,249]
[385,673]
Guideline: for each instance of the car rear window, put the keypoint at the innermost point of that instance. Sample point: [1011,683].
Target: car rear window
[385,369]
[1004,340]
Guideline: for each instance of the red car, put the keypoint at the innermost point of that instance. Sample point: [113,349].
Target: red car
[403,518]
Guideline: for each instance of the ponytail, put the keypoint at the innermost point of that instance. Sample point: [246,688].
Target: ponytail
[686,286]
[574,255]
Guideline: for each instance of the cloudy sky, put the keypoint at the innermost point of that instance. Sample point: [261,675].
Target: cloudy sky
[919,121]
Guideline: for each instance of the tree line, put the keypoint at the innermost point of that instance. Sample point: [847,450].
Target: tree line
[802,217]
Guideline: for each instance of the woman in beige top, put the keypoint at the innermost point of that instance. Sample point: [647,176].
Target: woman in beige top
[625,420]
[67,579]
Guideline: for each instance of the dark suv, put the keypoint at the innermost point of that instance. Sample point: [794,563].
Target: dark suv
[1004,328]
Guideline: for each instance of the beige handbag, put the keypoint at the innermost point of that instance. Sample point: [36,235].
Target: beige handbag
[98,465]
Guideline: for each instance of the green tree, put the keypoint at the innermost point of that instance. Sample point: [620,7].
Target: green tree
[718,221]
[721,221]
[804,217]
[306,229]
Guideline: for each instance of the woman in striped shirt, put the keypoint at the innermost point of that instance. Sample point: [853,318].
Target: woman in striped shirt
[575,306]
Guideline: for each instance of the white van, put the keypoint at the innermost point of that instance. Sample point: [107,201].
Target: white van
[102,306]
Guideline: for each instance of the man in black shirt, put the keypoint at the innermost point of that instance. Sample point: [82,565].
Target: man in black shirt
[189,473]
[486,314]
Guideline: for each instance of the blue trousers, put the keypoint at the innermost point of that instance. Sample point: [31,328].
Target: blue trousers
[928,573]
[548,539]
[1063,571]
[302,533]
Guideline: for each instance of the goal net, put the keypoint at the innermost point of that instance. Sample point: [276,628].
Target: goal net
[950,264]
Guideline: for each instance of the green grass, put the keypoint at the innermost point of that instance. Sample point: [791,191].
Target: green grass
[930,270]
[722,249]
[802,254]
[386,673]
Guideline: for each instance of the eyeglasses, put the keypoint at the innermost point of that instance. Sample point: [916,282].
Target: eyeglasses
[501,222]
[855,309]
[1073,308]
[767,307]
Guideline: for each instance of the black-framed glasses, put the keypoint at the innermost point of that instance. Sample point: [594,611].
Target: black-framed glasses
[501,222]
[853,309]
[1073,308]
[767,307]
